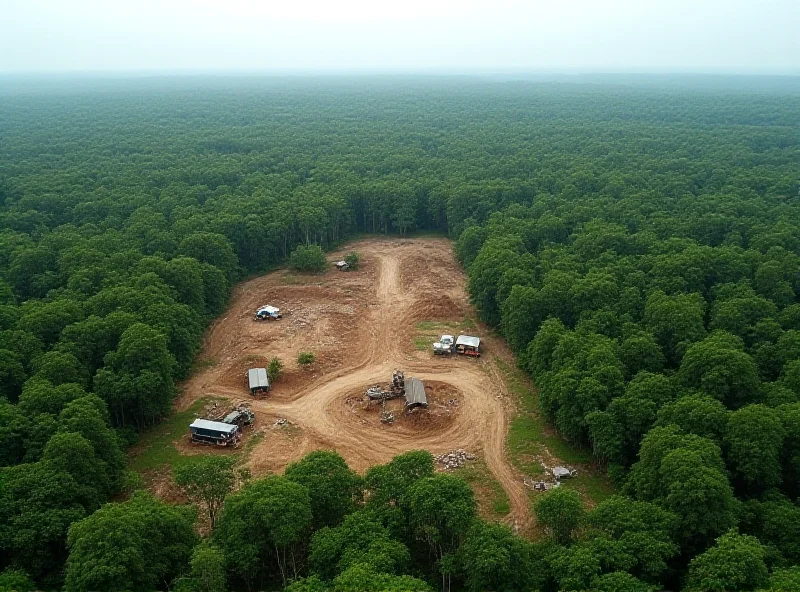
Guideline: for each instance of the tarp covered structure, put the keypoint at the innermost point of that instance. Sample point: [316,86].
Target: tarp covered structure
[415,393]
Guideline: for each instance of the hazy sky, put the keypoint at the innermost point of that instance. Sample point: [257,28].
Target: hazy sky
[564,35]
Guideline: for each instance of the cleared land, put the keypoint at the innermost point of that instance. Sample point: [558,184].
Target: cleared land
[362,326]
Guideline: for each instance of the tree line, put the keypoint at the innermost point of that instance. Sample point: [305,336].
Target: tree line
[660,321]
[321,527]
[638,247]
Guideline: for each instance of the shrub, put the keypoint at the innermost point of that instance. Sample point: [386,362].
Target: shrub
[306,358]
[308,258]
[352,260]
[274,369]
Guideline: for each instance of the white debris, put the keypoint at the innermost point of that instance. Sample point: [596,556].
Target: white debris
[538,485]
[454,459]
[281,422]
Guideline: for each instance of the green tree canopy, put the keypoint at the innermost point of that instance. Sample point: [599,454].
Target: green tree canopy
[561,512]
[735,562]
[138,544]
[207,480]
[334,488]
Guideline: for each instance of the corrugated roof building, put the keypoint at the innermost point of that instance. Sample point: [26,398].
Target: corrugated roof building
[258,379]
[415,393]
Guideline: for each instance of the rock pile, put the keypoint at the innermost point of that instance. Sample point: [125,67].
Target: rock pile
[454,459]
[281,422]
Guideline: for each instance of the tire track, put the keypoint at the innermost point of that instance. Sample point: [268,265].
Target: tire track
[397,300]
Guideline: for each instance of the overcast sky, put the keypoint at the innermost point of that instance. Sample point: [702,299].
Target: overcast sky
[496,35]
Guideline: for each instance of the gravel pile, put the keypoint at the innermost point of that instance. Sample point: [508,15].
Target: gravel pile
[454,459]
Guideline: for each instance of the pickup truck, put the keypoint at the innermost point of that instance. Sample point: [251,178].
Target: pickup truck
[445,346]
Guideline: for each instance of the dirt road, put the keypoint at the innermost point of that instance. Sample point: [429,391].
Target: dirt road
[361,327]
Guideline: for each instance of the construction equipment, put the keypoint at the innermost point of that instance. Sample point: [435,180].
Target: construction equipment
[396,389]
[268,313]
[258,380]
[398,383]
[468,345]
[386,415]
[445,346]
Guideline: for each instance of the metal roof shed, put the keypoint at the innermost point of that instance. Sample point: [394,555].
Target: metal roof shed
[258,379]
[415,393]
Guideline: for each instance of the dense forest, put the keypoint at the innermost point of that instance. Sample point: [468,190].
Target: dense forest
[638,245]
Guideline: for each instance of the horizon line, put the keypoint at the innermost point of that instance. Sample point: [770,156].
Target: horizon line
[507,71]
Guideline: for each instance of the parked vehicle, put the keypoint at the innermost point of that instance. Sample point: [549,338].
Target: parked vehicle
[445,346]
[563,473]
[241,417]
[468,345]
[204,431]
[268,313]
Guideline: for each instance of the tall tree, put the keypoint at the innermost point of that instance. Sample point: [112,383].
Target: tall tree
[207,480]
[135,545]
[260,525]
[735,562]
[561,513]
[334,488]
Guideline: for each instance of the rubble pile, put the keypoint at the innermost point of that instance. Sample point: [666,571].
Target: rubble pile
[454,459]
[540,485]
[280,422]
[217,411]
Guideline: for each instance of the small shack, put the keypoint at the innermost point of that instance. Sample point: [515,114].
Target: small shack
[259,381]
[342,265]
[214,432]
[468,345]
[415,393]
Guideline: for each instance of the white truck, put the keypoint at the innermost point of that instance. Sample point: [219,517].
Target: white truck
[268,313]
[445,346]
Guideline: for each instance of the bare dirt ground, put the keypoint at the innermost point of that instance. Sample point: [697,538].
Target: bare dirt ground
[360,325]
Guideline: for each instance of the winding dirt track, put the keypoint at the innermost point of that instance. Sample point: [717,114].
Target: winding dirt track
[361,327]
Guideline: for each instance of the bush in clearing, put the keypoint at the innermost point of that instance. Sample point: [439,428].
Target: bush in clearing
[308,258]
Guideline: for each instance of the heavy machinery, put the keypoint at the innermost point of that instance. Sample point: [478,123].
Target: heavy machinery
[397,388]
[445,346]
